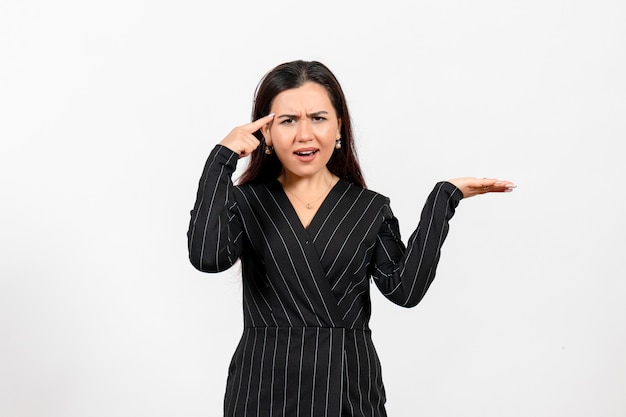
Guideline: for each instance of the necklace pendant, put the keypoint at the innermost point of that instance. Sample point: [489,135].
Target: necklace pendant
[309,206]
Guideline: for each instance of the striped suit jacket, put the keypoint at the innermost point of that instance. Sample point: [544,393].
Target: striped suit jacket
[306,348]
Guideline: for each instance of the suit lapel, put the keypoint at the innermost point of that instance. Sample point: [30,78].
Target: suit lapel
[310,264]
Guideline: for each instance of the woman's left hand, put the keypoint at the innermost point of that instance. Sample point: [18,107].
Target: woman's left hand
[471,186]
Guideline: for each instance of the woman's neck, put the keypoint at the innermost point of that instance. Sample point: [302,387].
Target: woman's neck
[319,181]
[306,194]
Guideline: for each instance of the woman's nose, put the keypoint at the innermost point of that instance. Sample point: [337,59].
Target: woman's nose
[305,131]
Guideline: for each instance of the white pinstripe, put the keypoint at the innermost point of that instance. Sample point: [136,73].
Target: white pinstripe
[330,361]
[300,372]
[348,264]
[356,318]
[241,373]
[358,374]
[273,373]
[345,240]
[421,257]
[250,375]
[260,384]
[317,340]
[332,235]
[339,200]
[369,375]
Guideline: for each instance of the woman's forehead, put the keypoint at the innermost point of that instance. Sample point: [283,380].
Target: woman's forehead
[310,98]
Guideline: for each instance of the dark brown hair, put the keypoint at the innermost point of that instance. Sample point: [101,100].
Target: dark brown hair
[343,163]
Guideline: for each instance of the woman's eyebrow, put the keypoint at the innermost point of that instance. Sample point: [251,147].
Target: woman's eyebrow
[293,116]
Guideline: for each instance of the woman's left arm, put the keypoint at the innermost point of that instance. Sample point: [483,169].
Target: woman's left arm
[404,275]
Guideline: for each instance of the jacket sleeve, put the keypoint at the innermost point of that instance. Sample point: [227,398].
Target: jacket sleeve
[214,235]
[403,274]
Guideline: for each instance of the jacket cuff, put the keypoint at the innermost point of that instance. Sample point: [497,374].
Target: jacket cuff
[455,194]
[225,156]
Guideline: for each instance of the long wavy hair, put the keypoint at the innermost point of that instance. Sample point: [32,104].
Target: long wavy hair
[343,162]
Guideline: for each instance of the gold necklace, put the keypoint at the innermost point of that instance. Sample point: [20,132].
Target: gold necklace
[309,205]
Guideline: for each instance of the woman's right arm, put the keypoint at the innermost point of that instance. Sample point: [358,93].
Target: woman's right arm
[214,228]
[214,235]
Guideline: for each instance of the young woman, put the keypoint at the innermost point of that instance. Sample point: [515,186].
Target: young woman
[310,236]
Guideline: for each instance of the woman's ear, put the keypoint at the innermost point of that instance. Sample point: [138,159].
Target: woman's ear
[265,131]
[339,128]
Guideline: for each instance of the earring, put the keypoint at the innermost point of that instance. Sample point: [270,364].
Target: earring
[269,150]
[338,143]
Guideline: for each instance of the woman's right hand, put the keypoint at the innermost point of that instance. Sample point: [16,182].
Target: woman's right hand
[241,139]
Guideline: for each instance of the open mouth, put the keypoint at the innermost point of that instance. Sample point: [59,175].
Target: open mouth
[307,153]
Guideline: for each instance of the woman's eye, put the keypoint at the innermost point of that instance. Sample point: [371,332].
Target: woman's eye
[319,118]
[286,121]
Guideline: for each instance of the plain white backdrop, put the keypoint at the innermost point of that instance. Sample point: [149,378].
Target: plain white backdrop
[109,109]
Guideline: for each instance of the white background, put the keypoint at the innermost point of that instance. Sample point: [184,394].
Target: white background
[109,109]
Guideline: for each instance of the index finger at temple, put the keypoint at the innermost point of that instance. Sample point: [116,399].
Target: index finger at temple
[259,123]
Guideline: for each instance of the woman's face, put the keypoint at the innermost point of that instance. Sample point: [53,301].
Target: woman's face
[304,130]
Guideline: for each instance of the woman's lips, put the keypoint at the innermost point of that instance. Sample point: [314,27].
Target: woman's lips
[306,155]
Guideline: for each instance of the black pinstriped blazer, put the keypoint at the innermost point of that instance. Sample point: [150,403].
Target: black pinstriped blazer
[306,349]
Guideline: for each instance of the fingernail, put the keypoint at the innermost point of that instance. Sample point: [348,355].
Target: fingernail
[511,186]
[271,115]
